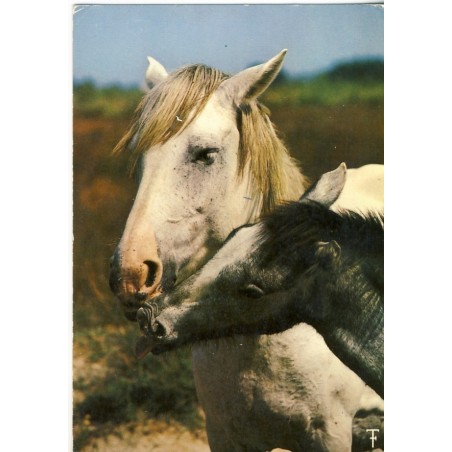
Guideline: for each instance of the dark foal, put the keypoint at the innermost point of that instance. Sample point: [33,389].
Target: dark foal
[302,263]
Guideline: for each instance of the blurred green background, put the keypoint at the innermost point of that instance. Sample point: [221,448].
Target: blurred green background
[333,117]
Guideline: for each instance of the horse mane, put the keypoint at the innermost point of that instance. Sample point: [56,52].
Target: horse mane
[294,227]
[182,95]
[277,175]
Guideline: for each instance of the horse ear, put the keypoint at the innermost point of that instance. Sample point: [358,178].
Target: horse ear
[252,82]
[155,73]
[328,188]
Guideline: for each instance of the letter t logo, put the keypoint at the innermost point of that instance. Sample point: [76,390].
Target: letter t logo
[373,437]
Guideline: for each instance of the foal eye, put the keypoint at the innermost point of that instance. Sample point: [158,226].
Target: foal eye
[205,155]
[251,291]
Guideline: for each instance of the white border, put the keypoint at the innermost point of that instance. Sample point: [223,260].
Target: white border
[36,203]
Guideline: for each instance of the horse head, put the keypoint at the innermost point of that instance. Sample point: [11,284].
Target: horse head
[190,142]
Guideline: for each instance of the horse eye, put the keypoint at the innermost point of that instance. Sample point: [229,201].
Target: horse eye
[252,291]
[206,155]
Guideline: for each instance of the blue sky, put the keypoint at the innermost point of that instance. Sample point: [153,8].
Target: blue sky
[111,42]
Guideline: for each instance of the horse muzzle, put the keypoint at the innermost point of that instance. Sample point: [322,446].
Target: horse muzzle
[134,282]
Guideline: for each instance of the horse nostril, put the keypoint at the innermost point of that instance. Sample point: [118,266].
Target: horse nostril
[151,276]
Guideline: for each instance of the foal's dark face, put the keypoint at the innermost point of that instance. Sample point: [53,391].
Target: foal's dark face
[244,291]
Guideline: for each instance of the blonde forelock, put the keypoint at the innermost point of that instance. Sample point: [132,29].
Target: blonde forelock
[170,107]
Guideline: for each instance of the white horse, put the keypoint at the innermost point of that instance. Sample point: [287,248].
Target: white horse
[208,160]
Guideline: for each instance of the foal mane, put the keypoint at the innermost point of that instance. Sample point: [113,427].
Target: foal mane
[174,103]
[294,227]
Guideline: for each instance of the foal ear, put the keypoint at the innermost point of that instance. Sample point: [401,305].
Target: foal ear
[328,188]
[155,73]
[328,252]
[252,82]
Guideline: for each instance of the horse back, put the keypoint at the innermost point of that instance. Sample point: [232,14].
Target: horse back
[363,190]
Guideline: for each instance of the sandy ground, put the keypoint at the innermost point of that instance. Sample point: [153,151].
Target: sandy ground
[151,436]
[145,435]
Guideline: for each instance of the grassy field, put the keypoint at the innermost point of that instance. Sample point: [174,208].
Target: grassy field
[333,118]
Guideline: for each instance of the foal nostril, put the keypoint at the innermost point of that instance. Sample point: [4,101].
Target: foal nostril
[159,329]
[153,269]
